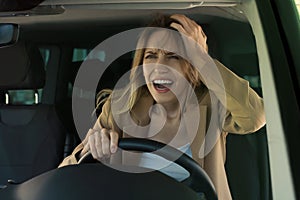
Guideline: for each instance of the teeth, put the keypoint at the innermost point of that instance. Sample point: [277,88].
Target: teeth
[162,82]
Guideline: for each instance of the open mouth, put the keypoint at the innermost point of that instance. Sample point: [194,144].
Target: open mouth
[162,85]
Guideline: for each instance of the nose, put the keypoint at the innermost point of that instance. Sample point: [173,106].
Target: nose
[161,68]
[161,65]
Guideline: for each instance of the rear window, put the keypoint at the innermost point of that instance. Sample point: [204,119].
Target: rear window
[80,54]
[23,97]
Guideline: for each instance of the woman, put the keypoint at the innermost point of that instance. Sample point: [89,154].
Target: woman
[180,96]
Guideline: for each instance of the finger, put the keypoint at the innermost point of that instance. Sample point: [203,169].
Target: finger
[91,143]
[184,20]
[98,145]
[203,34]
[178,27]
[188,24]
[194,31]
[179,17]
[114,138]
[90,132]
[105,141]
[86,146]
[85,142]
[85,149]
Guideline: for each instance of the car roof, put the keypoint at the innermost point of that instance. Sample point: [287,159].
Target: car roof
[105,18]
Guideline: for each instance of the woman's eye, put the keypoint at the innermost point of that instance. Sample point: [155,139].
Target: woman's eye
[174,57]
[150,56]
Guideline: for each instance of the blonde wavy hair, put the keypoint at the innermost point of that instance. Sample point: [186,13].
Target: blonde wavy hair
[190,72]
[137,86]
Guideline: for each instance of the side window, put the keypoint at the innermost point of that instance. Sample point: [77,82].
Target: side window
[80,54]
[23,97]
[45,54]
[246,66]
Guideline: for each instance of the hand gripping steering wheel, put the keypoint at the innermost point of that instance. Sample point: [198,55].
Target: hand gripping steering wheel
[198,179]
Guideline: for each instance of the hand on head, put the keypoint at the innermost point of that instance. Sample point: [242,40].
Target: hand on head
[190,28]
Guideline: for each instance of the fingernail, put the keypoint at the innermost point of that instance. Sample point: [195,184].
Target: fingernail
[113,149]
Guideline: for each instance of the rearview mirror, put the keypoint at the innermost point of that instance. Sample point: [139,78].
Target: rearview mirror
[8,34]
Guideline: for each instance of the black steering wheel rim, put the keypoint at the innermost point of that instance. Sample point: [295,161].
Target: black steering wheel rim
[198,180]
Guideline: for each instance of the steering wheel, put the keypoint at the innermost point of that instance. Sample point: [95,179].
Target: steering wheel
[198,180]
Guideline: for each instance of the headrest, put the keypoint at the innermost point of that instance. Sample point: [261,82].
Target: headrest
[22,67]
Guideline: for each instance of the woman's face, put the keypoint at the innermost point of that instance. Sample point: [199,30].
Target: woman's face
[163,71]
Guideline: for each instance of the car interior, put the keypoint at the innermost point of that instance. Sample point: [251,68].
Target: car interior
[36,119]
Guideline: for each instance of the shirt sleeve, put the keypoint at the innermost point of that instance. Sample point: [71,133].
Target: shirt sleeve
[72,159]
[244,107]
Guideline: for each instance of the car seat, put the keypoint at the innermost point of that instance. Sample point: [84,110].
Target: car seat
[31,136]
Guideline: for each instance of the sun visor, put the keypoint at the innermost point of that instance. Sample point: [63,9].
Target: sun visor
[22,67]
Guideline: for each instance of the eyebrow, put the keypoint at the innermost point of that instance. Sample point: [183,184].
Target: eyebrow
[151,51]
[169,53]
